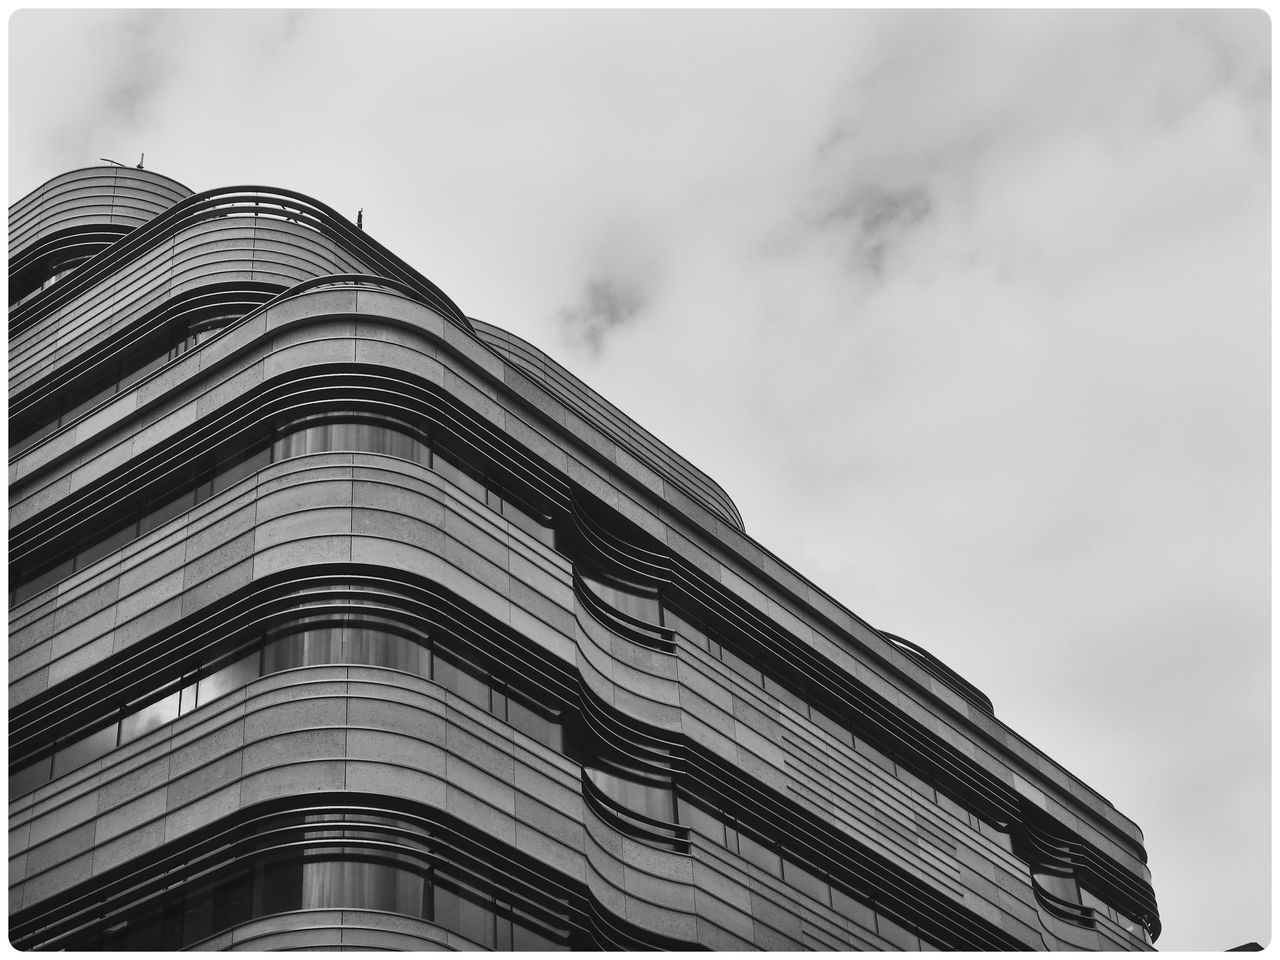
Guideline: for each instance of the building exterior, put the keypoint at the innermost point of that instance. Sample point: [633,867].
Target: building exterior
[338,618]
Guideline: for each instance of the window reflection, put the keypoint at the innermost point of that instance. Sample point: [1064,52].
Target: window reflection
[641,606]
[362,885]
[149,717]
[654,800]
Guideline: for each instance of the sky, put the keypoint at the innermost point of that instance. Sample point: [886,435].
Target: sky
[969,312]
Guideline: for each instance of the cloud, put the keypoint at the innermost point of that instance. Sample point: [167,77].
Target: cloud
[607,303]
[875,222]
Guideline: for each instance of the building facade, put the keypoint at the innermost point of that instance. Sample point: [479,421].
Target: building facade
[339,619]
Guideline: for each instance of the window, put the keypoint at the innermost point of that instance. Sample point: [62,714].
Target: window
[625,599]
[806,881]
[736,663]
[897,934]
[1062,886]
[372,435]
[652,799]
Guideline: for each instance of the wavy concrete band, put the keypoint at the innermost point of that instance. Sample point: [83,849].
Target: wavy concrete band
[726,758]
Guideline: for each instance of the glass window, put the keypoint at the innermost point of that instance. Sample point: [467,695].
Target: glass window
[786,696]
[154,516]
[526,938]
[304,649]
[853,909]
[1098,906]
[1131,925]
[1064,888]
[874,755]
[541,728]
[953,807]
[805,881]
[761,853]
[832,726]
[463,915]
[696,635]
[739,665]
[137,373]
[31,776]
[470,688]
[643,607]
[108,544]
[458,477]
[914,782]
[44,580]
[651,799]
[277,885]
[998,836]
[231,677]
[361,885]
[149,717]
[379,648]
[701,820]
[896,933]
[528,523]
[81,751]
[99,393]
[237,470]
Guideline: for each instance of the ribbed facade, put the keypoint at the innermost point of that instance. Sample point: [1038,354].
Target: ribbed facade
[338,619]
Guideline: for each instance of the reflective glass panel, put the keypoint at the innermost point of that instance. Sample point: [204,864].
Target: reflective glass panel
[31,776]
[1064,888]
[897,934]
[458,478]
[701,820]
[463,915]
[81,751]
[526,938]
[915,783]
[853,909]
[167,510]
[304,649]
[805,881]
[653,800]
[536,725]
[360,885]
[471,688]
[44,580]
[763,856]
[832,726]
[231,677]
[526,522]
[740,666]
[234,472]
[378,648]
[108,544]
[875,756]
[153,715]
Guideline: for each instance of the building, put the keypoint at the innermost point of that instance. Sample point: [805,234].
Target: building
[338,618]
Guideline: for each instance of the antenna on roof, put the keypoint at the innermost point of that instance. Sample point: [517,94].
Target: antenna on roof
[109,160]
[141,157]
[360,219]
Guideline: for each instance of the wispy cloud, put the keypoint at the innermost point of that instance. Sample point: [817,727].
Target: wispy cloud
[607,303]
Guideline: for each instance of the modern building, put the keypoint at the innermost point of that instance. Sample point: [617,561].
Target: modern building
[339,619]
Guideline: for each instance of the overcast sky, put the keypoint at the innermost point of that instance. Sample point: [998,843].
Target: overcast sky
[968,312]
